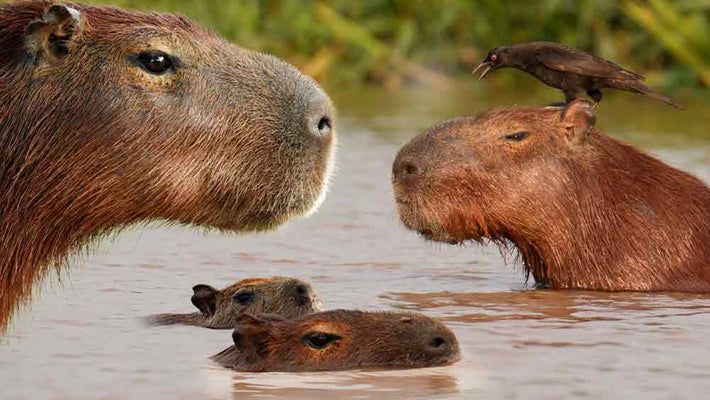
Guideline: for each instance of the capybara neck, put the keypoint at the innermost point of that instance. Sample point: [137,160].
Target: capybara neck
[339,340]
[278,296]
[111,117]
[585,211]
[627,221]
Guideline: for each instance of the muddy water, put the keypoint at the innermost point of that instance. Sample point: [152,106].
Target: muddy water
[84,338]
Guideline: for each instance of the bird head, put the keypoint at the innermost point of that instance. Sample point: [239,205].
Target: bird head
[495,59]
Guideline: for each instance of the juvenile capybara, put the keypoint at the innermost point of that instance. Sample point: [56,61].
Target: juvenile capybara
[280,296]
[111,117]
[339,340]
[584,210]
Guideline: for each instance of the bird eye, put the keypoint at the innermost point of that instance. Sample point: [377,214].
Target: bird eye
[155,62]
[244,298]
[494,57]
[320,340]
[517,137]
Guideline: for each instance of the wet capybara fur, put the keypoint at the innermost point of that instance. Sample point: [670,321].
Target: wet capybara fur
[111,117]
[584,210]
[339,340]
[280,296]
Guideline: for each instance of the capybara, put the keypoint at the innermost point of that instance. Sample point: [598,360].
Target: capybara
[281,296]
[339,340]
[584,210]
[111,117]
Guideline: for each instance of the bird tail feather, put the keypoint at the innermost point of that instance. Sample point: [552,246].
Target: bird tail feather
[639,87]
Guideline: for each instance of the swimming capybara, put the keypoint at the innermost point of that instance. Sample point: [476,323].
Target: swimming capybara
[281,296]
[339,340]
[111,117]
[584,210]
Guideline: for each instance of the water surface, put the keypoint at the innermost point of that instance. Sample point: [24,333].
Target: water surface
[83,337]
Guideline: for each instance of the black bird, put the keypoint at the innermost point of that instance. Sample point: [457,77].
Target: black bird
[569,69]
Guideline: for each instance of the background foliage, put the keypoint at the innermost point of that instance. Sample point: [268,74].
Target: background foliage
[392,42]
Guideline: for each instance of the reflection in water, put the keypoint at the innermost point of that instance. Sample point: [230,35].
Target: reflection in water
[565,306]
[401,384]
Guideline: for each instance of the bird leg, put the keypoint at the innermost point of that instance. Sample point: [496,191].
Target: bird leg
[596,96]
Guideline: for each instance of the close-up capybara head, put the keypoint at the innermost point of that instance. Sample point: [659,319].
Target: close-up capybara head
[578,205]
[339,340]
[110,117]
[279,296]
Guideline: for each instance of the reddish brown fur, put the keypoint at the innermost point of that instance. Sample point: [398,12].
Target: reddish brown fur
[280,296]
[90,142]
[362,339]
[584,210]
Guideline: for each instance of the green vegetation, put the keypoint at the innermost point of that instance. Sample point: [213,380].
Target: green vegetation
[392,42]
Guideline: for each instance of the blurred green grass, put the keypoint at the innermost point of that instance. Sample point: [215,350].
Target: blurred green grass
[392,42]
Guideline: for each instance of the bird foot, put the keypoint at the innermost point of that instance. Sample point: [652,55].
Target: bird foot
[555,106]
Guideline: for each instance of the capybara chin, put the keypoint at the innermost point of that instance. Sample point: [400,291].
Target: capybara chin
[339,340]
[218,309]
[111,117]
[585,211]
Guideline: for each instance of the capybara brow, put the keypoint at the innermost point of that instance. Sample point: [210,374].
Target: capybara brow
[218,308]
[584,210]
[339,340]
[111,117]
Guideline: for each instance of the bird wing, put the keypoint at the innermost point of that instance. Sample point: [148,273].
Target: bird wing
[570,59]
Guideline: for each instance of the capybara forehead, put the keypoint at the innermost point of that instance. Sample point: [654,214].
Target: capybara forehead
[343,321]
[261,283]
[497,121]
[117,20]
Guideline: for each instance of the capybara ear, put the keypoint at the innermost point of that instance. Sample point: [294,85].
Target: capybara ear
[252,334]
[205,299]
[54,34]
[578,120]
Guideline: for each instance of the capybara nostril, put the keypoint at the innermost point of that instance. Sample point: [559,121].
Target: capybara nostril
[437,342]
[320,116]
[324,126]
[301,290]
[405,168]
[301,293]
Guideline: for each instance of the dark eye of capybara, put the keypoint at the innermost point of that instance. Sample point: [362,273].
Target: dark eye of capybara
[517,137]
[155,62]
[244,298]
[320,340]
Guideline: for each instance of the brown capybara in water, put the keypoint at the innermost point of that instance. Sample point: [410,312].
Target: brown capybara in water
[585,211]
[280,296]
[339,340]
[111,117]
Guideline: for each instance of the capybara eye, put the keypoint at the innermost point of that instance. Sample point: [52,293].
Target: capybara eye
[155,62]
[320,340]
[517,137]
[244,298]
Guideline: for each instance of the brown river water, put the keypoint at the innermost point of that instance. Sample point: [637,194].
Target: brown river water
[83,336]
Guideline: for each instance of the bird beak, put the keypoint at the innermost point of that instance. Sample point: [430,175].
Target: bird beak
[488,67]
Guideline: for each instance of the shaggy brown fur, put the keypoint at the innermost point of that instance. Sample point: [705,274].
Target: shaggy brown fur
[584,210]
[91,140]
[339,340]
[281,296]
